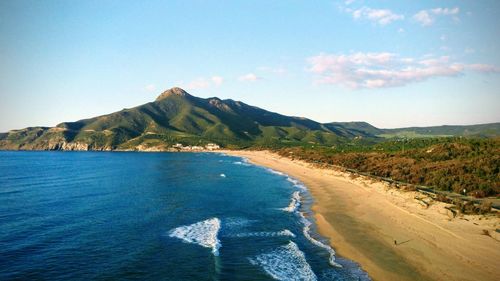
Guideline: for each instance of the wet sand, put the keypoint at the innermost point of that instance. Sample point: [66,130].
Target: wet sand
[388,232]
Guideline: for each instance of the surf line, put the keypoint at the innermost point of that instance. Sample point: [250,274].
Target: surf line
[294,207]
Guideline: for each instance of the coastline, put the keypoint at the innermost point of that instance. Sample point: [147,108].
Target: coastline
[387,231]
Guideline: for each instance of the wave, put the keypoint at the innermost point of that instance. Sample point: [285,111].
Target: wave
[293,207]
[294,203]
[243,162]
[237,222]
[306,231]
[203,233]
[284,232]
[296,183]
[222,175]
[285,263]
[275,172]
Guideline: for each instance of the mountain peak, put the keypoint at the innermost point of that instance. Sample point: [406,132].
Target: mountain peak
[175,91]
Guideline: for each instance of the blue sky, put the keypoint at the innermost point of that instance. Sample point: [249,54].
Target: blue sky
[390,63]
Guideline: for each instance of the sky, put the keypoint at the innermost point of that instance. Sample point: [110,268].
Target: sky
[390,63]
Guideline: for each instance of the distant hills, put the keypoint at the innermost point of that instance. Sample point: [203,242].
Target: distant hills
[178,117]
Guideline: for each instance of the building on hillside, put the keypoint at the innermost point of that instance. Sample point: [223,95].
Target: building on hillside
[178,146]
[212,146]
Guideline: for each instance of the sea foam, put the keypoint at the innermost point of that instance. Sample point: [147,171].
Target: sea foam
[293,207]
[306,231]
[294,203]
[203,233]
[285,263]
[243,162]
[275,172]
[296,183]
[284,232]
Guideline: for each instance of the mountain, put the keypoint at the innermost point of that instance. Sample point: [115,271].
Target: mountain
[354,129]
[178,117]
[481,130]
[175,116]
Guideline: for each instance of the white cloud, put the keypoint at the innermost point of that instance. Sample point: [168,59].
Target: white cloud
[483,68]
[379,16]
[276,70]
[217,80]
[204,83]
[445,11]
[424,18]
[150,88]
[381,70]
[250,77]
[349,2]
[199,83]
[427,17]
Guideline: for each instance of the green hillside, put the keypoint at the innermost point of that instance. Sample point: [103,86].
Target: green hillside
[481,130]
[177,117]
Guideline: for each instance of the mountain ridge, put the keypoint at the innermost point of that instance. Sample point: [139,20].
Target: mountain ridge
[176,116]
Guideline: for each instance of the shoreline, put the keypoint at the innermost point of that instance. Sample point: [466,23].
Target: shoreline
[386,231]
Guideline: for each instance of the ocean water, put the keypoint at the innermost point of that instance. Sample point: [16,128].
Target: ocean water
[157,216]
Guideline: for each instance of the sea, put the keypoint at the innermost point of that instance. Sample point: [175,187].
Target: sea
[157,216]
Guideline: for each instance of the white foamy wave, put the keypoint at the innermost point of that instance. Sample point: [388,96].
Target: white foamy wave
[243,162]
[296,183]
[203,233]
[236,222]
[285,263]
[274,172]
[222,175]
[294,203]
[306,231]
[284,232]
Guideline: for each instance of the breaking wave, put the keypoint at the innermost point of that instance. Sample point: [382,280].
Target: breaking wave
[203,233]
[275,172]
[237,222]
[285,263]
[306,231]
[293,207]
[296,183]
[294,203]
[243,162]
[284,232]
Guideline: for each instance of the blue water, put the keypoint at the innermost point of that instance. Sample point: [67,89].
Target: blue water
[156,216]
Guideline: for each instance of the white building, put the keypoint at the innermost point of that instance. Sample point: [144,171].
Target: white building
[212,146]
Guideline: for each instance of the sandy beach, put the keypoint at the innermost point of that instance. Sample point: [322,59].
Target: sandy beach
[388,232]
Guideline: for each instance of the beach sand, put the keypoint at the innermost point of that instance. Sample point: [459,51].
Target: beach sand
[388,232]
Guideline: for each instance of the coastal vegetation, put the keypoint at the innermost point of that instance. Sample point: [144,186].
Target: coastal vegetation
[462,165]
